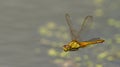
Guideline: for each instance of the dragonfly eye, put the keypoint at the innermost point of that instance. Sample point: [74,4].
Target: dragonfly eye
[66,48]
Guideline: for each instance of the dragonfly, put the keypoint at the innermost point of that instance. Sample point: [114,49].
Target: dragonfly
[75,44]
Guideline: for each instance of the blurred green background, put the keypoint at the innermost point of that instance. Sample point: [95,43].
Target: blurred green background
[32,33]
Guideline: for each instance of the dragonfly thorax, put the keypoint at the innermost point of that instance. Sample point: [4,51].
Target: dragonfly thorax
[72,46]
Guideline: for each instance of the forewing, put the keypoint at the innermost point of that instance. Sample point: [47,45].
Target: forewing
[73,36]
[85,26]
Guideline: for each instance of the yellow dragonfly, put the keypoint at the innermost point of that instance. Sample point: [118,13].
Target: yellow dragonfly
[75,44]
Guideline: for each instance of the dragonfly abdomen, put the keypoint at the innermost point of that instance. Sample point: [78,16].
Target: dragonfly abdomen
[86,43]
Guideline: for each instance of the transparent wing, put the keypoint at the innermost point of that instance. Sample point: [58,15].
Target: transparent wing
[85,26]
[73,36]
[93,39]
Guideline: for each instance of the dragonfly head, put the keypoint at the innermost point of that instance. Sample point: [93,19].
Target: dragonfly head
[66,48]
